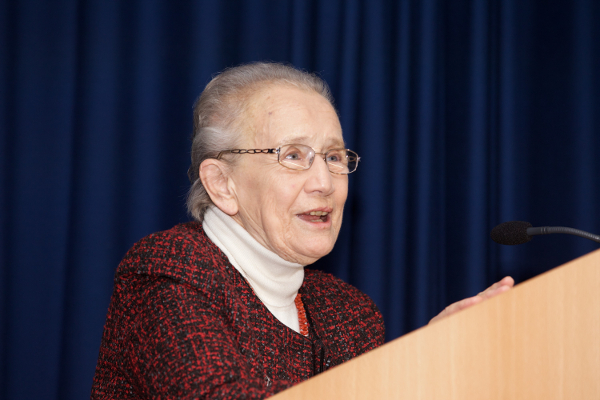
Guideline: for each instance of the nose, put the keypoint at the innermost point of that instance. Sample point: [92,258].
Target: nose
[319,179]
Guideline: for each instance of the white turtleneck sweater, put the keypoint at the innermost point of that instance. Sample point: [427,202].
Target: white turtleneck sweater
[274,280]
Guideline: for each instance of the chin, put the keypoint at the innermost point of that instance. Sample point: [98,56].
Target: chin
[317,250]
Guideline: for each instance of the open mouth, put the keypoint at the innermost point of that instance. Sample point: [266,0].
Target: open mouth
[315,216]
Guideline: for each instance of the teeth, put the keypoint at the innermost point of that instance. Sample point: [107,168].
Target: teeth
[319,213]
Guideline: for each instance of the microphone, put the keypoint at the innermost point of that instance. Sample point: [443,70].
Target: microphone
[519,232]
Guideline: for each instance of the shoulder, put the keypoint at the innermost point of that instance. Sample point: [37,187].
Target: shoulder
[182,253]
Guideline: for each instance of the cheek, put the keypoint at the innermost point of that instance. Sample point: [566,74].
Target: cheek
[341,192]
[281,196]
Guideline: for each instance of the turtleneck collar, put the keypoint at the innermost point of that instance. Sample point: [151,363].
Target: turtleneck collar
[274,280]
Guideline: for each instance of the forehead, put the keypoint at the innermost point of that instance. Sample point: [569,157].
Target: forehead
[286,114]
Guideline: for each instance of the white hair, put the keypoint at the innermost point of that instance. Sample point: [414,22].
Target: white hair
[219,115]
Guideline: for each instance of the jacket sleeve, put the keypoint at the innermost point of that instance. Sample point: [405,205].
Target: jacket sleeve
[179,346]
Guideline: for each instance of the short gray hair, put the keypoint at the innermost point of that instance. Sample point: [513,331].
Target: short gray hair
[219,115]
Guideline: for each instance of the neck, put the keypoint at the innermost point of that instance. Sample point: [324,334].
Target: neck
[274,280]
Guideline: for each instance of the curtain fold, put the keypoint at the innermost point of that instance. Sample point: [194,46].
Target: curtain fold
[465,113]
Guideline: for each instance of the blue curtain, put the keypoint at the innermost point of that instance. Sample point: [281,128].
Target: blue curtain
[466,113]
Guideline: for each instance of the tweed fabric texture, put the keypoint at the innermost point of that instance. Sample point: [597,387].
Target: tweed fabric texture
[184,324]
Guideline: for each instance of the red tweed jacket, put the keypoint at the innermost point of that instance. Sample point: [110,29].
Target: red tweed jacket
[183,323]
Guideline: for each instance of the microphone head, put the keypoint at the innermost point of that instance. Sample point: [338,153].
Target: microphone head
[511,233]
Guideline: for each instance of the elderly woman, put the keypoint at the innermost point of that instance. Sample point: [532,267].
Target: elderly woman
[223,307]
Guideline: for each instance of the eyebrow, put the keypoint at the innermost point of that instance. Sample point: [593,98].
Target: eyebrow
[303,139]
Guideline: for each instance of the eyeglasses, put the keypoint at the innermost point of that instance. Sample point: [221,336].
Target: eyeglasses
[300,157]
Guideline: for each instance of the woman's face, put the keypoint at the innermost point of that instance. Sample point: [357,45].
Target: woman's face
[274,202]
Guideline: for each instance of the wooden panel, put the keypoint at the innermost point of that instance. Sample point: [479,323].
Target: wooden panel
[540,340]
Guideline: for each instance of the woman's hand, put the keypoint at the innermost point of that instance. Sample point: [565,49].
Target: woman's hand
[499,287]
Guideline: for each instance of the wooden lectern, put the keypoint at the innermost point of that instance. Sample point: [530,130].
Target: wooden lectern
[540,340]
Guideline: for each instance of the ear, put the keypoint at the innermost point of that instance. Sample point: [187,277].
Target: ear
[214,177]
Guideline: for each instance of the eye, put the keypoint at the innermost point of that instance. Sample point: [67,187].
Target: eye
[295,153]
[296,156]
[293,156]
[335,156]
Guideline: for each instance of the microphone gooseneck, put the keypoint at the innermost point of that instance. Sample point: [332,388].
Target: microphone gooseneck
[519,232]
[546,230]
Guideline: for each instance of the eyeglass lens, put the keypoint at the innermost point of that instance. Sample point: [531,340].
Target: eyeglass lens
[297,156]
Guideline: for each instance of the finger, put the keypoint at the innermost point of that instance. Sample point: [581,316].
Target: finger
[465,303]
[493,293]
[507,281]
[498,287]
[455,307]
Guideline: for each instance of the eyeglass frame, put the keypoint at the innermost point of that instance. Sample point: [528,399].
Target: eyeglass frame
[277,150]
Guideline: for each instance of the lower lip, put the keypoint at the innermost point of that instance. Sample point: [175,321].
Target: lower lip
[315,220]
